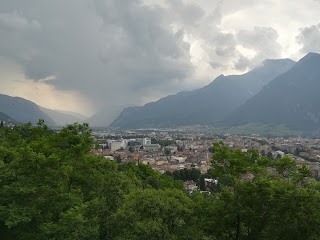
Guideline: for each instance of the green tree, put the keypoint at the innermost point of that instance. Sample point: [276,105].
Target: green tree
[202,184]
[117,158]
[152,214]
[51,188]
[263,199]
[187,174]
[269,155]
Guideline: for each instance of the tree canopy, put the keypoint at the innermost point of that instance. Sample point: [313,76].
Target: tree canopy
[52,187]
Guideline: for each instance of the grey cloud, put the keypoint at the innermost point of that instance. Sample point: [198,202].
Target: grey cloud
[220,45]
[242,63]
[15,22]
[216,65]
[226,44]
[309,38]
[119,52]
[187,13]
[225,51]
[110,49]
[263,40]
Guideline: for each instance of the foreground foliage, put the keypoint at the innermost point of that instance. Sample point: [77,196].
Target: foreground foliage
[51,187]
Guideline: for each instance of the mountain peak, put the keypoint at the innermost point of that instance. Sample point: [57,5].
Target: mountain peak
[290,99]
[310,55]
[270,64]
[313,54]
[205,105]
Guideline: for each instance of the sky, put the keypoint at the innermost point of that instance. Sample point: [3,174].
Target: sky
[103,55]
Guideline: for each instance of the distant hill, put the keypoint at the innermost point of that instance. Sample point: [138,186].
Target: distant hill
[291,99]
[62,118]
[206,105]
[6,118]
[23,110]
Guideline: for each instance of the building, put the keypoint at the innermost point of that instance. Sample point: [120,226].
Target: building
[147,161]
[146,141]
[172,149]
[151,147]
[114,146]
[178,159]
[135,145]
[288,147]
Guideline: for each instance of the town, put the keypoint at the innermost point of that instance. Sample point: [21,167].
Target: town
[167,151]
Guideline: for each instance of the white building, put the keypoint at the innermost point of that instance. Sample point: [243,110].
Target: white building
[146,141]
[114,146]
[124,143]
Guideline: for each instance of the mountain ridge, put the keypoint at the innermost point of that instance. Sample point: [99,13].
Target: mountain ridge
[23,110]
[290,99]
[205,105]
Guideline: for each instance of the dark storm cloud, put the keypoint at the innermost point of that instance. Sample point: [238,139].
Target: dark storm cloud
[100,48]
[119,52]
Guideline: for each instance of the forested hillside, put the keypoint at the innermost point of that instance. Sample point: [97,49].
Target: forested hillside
[51,187]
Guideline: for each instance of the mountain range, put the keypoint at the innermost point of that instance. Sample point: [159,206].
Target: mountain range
[207,105]
[23,111]
[291,99]
[275,93]
[20,110]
